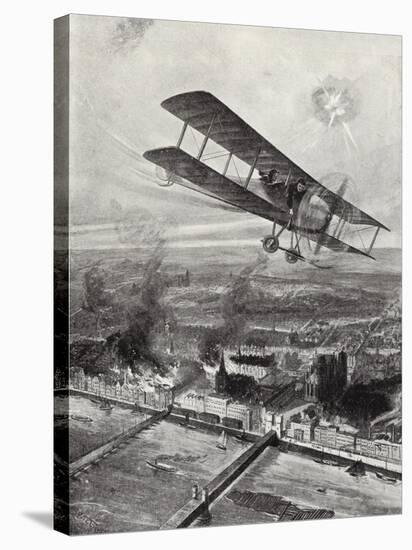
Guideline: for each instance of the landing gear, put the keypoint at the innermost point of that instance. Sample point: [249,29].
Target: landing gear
[164,177]
[290,256]
[270,243]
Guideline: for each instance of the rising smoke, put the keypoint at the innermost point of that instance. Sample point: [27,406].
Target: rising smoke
[135,344]
[235,303]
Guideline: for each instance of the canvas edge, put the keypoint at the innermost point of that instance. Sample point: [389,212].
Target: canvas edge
[61,84]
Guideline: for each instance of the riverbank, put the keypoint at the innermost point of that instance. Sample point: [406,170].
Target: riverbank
[342,457]
[114,401]
[213,428]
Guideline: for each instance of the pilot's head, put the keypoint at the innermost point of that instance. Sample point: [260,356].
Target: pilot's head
[301,187]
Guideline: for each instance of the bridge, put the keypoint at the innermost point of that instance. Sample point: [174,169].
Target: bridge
[82,464]
[196,507]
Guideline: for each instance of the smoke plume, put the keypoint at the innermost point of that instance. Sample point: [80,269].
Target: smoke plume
[235,302]
[143,316]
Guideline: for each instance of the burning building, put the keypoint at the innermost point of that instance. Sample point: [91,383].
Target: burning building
[250,361]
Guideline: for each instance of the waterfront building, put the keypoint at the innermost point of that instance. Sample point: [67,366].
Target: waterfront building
[345,440]
[221,408]
[195,402]
[332,436]
[77,378]
[240,412]
[157,396]
[217,404]
[327,377]
[379,448]
[274,422]
[258,418]
[301,431]
[325,435]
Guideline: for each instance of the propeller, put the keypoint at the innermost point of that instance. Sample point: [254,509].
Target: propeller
[340,192]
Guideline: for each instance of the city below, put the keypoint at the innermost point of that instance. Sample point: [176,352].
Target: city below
[224,371]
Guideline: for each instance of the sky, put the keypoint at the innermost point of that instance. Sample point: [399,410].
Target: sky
[330,101]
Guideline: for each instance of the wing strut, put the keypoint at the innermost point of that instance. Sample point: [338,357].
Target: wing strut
[373,239]
[229,158]
[206,139]
[182,134]
[252,167]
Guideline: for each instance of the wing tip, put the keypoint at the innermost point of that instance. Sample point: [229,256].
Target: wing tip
[150,153]
[166,103]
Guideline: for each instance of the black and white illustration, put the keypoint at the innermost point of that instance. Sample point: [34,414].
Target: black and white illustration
[227,275]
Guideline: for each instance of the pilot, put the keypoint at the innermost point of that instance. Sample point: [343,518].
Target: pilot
[294,197]
[268,178]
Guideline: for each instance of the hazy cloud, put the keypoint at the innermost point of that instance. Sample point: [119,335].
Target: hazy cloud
[129,32]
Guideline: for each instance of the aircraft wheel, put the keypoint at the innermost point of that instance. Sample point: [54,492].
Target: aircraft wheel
[164,177]
[291,257]
[270,244]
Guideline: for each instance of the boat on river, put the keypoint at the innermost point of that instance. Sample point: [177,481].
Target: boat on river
[80,418]
[222,441]
[156,465]
[357,469]
[241,438]
[386,478]
[326,462]
[106,405]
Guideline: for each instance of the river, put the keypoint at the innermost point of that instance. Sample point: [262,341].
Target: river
[85,436]
[122,492]
[298,478]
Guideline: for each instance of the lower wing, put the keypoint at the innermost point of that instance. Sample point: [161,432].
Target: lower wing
[206,180]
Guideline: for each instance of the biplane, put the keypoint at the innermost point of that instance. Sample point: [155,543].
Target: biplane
[323,214]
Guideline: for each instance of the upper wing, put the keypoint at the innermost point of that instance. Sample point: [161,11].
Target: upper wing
[231,132]
[206,180]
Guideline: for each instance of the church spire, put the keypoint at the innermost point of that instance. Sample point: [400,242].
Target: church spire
[221,376]
[222,368]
